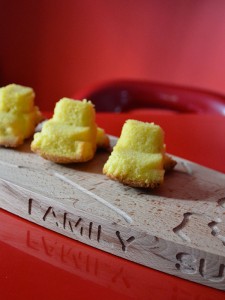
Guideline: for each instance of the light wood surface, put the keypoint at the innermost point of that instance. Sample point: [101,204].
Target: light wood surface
[178,229]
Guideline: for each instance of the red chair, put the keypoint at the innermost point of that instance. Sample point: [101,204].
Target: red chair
[127,95]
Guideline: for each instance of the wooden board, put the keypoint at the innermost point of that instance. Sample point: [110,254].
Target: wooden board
[178,229]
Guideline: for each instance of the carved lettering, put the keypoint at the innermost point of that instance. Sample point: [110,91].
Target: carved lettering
[81,231]
[72,224]
[30,201]
[65,220]
[78,222]
[90,230]
[216,231]
[99,233]
[79,225]
[124,243]
[213,225]
[215,278]
[179,229]
[50,212]
[187,263]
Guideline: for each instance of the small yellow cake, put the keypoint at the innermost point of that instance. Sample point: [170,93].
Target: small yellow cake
[18,115]
[70,136]
[138,159]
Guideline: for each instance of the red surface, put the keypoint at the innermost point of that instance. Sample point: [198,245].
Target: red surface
[59,47]
[36,263]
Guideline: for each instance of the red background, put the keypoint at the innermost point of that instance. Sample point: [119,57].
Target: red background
[61,46]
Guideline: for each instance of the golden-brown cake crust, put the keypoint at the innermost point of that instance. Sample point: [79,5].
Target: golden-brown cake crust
[133,183]
[60,159]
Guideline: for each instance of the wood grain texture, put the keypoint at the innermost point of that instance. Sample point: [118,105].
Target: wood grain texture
[178,229]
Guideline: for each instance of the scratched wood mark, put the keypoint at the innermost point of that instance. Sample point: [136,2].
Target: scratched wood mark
[178,229]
